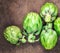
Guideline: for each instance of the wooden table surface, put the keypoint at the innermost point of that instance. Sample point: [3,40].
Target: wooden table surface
[12,12]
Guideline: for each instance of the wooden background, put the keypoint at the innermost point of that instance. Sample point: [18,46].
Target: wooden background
[12,12]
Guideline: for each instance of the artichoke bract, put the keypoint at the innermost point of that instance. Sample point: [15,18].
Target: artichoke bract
[48,38]
[12,34]
[49,12]
[32,26]
[57,25]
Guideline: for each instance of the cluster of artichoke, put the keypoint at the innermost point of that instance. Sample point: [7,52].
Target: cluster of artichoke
[34,30]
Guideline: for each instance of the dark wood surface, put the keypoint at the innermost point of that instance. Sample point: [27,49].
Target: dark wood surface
[12,12]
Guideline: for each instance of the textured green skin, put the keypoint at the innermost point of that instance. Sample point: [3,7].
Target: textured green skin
[48,38]
[12,34]
[57,25]
[49,12]
[32,23]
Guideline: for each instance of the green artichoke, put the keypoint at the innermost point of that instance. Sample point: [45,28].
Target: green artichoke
[48,38]
[57,25]
[13,34]
[32,26]
[49,12]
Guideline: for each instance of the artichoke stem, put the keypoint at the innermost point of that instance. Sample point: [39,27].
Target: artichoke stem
[37,40]
[48,18]
[23,40]
[49,25]
[32,38]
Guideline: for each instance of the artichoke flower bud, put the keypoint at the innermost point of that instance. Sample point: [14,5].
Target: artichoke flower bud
[49,12]
[12,34]
[32,26]
[57,25]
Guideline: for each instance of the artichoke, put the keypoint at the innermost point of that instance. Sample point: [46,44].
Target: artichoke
[48,37]
[57,25]
[48,12]
[13,34]
[32,26]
